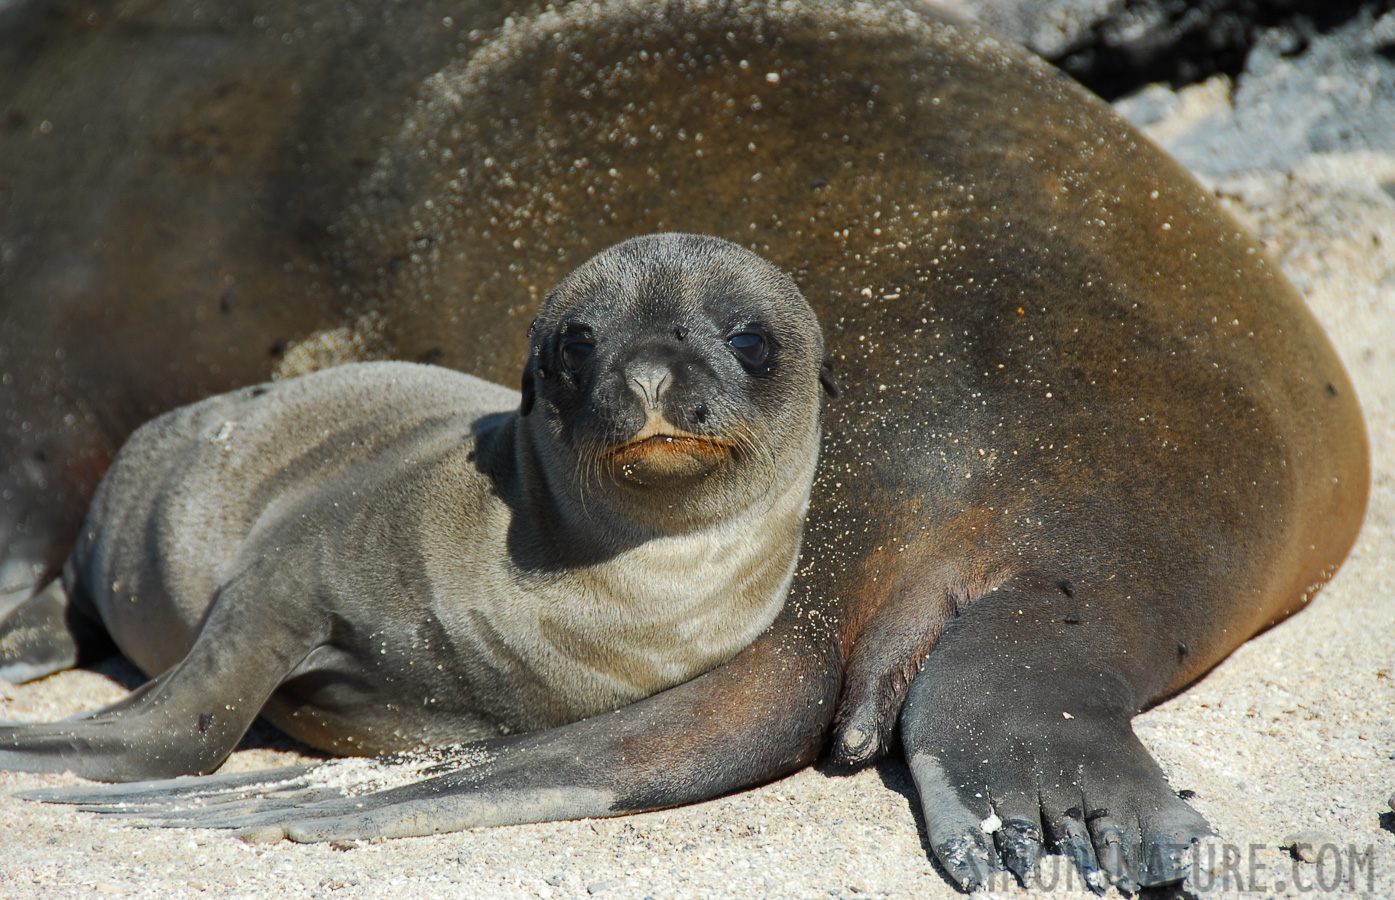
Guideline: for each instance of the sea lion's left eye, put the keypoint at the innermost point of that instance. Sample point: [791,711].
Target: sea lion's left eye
[750,346]
[575,354]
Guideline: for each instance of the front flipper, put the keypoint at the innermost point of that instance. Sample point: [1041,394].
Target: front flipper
[1018,738]
[757,717]
[189,718]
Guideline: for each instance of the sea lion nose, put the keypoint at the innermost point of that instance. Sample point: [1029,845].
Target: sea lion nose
[649,380]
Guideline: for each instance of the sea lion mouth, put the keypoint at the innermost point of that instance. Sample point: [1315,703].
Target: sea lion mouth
[666,458]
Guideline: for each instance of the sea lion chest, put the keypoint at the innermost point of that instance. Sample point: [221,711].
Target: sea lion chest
[558,645]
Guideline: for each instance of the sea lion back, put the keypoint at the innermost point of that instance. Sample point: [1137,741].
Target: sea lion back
[189,488]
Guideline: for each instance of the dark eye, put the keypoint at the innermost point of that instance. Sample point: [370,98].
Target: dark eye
[575,354]
[751,347]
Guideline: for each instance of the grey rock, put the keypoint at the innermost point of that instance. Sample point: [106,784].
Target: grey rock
[1308,845]
[1052,28]
[1339,94]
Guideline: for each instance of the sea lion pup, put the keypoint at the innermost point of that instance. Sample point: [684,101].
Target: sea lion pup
[376,558]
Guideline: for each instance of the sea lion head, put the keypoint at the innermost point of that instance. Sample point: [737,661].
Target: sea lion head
[676,377]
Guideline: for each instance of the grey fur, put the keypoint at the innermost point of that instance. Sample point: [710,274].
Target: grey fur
[378,558]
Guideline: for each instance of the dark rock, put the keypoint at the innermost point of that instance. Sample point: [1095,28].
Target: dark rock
[1117,46]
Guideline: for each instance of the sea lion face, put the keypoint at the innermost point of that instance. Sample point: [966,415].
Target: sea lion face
[678,376]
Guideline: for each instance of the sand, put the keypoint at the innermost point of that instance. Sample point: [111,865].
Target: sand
[1294,733]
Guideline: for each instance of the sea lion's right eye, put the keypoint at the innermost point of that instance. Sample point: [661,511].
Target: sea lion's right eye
[575,354]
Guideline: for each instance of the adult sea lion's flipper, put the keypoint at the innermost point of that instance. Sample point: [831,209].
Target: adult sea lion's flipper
[730,728]
[1019,746]
[186,720]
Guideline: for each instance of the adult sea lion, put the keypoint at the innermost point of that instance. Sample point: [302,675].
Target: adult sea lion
[378,559]
[1090,442]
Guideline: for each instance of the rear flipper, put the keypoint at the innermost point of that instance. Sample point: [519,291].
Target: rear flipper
[757,717]
[1018,738]
[185,721]
[47,634]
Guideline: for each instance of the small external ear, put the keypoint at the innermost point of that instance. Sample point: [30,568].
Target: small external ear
[828,379]
[530,373]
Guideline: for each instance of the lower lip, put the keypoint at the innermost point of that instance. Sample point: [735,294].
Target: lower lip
[667,444]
